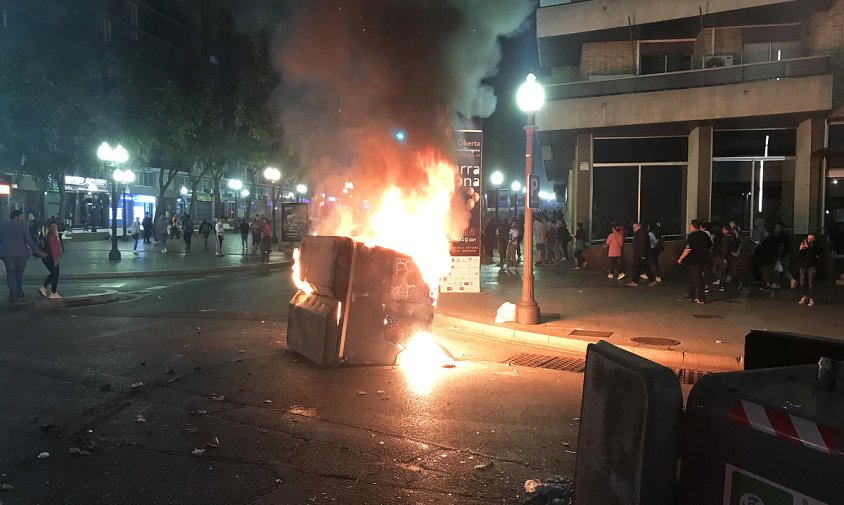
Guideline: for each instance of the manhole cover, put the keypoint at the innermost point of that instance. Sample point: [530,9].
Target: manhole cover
[656,341]
[707,316]
[591,333]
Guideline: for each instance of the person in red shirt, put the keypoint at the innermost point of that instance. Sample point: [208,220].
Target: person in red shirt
[266,240]
[53,248]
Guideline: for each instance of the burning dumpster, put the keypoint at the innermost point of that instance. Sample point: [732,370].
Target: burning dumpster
[355,303]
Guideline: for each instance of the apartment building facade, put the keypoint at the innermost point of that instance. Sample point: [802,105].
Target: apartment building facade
[661,112]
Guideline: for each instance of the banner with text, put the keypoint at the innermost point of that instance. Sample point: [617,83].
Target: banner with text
[465,274]
[294,221]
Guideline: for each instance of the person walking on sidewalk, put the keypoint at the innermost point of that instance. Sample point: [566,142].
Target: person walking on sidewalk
[724,258]
[266,240]
[53,247]
[614,243]
[205,231]
[161,230]
[256,228]
[512,245]
[503,235]
[563,241]
[579,247]
[135,230]
[655,247]
[187,229]
[696,257]
[551,243]
[244,235]
[783,257]
[220,231]
[539,239]
[147,224]
[810,258]
[641,244]
[15,246]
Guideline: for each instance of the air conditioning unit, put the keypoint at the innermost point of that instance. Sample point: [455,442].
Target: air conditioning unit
[718,61]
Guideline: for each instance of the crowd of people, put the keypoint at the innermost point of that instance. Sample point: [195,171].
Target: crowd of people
[25,235]
[711,253]
[169,227]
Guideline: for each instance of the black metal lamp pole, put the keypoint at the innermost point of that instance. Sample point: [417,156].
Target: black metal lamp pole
[275,197]
[124,238]
[114,254]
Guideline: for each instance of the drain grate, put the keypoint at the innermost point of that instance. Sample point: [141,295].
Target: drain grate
[591,333]
[548,362]
[532,360]
[568,364]
[689,377]
[707,316]
[668,342]
[578,365]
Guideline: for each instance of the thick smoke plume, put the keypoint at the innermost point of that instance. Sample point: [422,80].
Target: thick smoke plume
[357,71]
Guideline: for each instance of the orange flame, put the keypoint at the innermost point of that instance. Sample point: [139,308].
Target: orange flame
[298,281]
[417,221]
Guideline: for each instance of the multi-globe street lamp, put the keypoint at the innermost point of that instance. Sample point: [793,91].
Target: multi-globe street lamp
[235,185]
[114,158]
[273,175]
[530,98]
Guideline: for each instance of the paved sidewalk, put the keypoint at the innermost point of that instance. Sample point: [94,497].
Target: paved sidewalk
[89,260]
[709,337]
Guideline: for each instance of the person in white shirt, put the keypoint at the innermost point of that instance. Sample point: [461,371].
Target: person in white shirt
[135,230]
[220,231]
[539,240]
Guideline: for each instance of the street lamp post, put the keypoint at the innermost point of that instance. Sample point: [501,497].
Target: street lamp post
[496,179]
[273,175]
[114,157]
[125,177]
[530,98]
[235,185]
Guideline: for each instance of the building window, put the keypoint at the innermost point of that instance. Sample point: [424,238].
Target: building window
[146,179]
[763,52]
[132,14]
[213,59]
[103,28]
[615,198]
[648,194]
[667,56]
[5,19]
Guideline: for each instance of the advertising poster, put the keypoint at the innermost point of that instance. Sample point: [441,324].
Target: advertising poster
[465,274]
[294,221]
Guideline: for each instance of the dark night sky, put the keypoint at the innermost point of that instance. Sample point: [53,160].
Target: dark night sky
[503,134]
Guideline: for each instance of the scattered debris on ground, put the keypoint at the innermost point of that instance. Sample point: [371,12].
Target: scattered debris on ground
[557,491]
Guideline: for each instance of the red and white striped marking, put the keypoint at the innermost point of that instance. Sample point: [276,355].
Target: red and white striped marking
[784,425]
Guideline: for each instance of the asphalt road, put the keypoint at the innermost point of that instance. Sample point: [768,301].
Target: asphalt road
[185,364]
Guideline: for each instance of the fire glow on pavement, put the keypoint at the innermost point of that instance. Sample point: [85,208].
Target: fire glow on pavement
[423,362]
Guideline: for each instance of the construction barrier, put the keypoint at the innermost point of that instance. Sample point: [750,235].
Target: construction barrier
[763,437]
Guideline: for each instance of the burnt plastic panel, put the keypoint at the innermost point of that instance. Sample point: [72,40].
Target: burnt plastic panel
[312,328]
[326,264]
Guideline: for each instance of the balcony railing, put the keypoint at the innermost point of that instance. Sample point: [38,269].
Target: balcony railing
[782,69]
